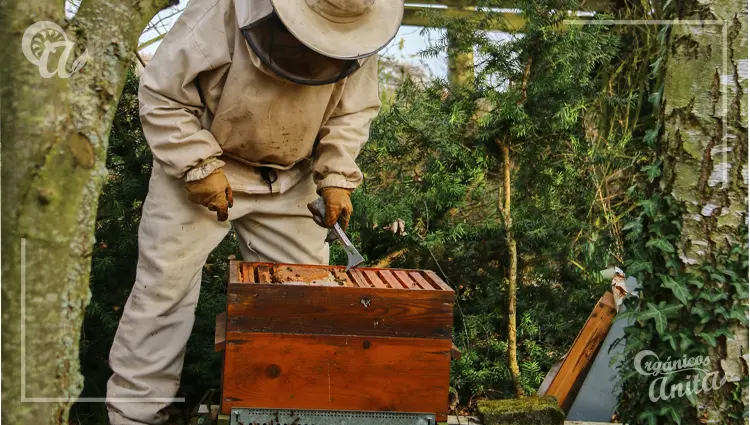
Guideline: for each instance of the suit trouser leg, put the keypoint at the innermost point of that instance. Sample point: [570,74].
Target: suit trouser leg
[174,239]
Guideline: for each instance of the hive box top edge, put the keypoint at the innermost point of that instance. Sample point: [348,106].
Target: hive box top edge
[334,276]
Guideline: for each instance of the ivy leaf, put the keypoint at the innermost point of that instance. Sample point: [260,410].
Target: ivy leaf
[660,243]
[678,289]
[728,272]
[659,314]
[653,171]
[692,398]
[655,99]
[718,277]
[699,311]
[671,339]
[649,207]
[635,225]
[672,413]
[624,316]
[685,344]
[696,282]
[742,289]
[650,416]
[662,36]
[656,66]
[639,266]
[723,331]
[720,310]
[650,135]
[709,338]
[713,297]
[739,312]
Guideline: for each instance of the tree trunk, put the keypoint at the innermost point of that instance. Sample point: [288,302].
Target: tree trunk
[504,206]
[54,142]
[460,61]
[705,99]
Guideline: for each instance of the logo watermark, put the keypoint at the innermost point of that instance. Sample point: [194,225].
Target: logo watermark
[45,41]
[698,377]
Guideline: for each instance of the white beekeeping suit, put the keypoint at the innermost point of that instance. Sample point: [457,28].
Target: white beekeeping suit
[252,108]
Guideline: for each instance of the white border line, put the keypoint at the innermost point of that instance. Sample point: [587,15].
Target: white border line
[725,126]
[25,399]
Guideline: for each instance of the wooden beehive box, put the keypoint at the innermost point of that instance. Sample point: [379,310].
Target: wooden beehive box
[318,337]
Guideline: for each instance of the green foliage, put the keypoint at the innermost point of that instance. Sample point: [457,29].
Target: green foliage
[680,311]
[432,163]
[584,128]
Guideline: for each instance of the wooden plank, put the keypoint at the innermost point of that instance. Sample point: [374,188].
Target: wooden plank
[264,273]
[247,273]
[417,277]
[234,271]
[336,373]
[436,279]
[359,279]
[345,276]
[373,278]
[390,279]
[339,310]
[405,279]
[220,331]
[568,381]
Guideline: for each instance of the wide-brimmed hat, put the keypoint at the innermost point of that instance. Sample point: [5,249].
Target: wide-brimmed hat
[343,29]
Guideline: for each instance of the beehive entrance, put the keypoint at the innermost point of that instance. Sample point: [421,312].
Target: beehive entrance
[241,416]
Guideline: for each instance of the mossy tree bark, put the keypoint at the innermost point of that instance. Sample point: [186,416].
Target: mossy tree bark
[54,140]
[705,101]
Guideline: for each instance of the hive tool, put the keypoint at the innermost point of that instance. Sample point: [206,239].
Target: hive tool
[353,257]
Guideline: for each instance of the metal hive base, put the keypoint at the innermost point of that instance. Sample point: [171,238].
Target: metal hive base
[248,416]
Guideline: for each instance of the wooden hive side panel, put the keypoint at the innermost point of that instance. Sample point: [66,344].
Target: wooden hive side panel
[339,311]
[314,372]
[317,337]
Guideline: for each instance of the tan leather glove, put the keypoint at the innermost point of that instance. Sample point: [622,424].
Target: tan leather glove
[213,192]
[338,206]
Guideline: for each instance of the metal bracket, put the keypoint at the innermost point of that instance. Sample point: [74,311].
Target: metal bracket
[248,416]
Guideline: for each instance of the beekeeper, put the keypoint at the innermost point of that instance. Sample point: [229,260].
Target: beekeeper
[252,109]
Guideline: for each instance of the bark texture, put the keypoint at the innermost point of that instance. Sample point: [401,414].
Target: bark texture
[705,98]
[54,141]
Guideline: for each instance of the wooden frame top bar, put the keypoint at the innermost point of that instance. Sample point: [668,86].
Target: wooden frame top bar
[322,275]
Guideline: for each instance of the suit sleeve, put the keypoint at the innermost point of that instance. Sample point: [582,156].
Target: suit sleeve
[341,138]
[170,103]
